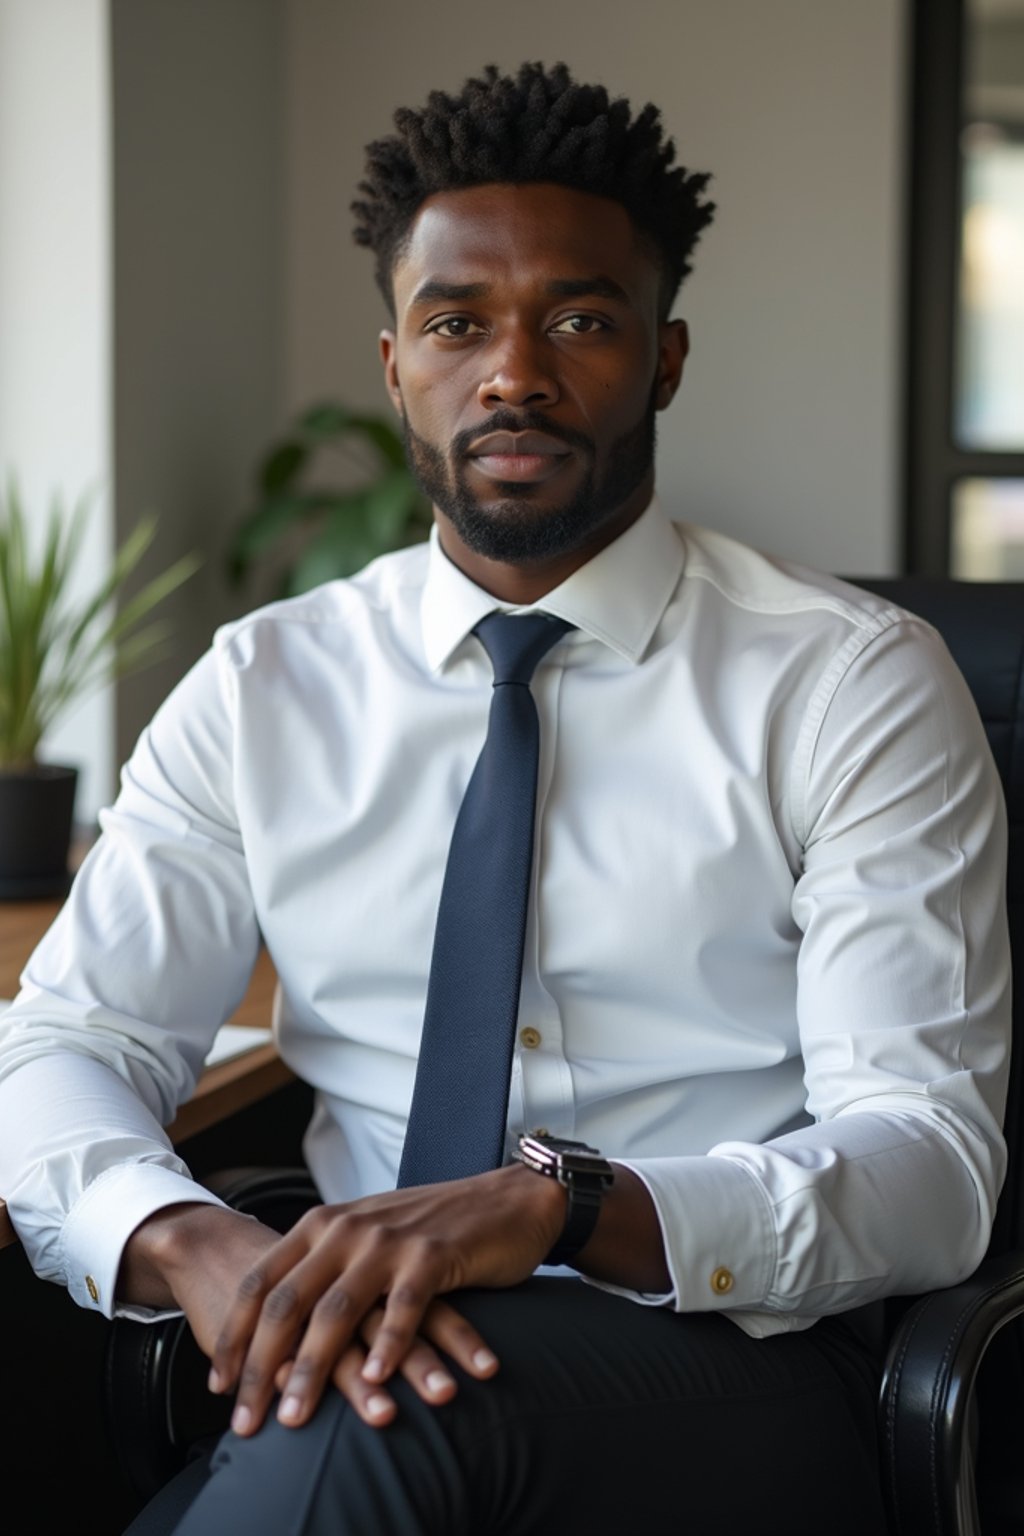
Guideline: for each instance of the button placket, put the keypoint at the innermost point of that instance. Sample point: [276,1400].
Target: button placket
[547,1080]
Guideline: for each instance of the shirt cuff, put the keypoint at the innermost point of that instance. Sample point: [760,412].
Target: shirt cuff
[103,1219]
[718,1233]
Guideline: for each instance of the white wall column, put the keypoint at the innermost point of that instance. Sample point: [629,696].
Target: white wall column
[55,303]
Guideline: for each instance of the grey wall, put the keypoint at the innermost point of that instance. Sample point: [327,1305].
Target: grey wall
[786,429]
[198,290]
[55,403]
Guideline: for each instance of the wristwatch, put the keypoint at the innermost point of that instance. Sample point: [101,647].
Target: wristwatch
[583,1173]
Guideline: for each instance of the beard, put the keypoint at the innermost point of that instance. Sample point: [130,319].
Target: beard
[511,529]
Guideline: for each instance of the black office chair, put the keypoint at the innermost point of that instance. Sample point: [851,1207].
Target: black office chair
[952,1412]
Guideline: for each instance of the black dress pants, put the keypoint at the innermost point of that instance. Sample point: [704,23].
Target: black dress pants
[605,1419]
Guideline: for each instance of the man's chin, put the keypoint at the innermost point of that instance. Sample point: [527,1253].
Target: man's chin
[510,493]
[509,531]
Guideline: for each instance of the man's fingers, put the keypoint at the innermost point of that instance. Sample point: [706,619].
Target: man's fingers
[301,1382]
[422,1366]
[374,1404]
[449,1330]
[327,1340]
[441,1325]
[404,1308]
[244,1314]
[310,1317]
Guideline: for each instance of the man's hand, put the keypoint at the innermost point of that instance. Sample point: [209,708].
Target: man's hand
[349,1295]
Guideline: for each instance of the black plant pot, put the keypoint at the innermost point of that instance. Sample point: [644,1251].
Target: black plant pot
[37,808]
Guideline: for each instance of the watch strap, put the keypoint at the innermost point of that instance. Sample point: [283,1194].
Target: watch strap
[582,1210]
[583,1177]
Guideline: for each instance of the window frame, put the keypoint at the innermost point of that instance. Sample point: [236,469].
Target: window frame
[933,461]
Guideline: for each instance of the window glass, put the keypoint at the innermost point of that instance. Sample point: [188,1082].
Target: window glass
[988,530]
[989,381]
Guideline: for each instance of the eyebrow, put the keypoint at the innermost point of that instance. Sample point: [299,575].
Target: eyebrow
[431,291]
[559,288]
[588,287]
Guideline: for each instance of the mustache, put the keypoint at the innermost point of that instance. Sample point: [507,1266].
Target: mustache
[520,421]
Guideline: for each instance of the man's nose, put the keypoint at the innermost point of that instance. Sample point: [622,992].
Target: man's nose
[519,373]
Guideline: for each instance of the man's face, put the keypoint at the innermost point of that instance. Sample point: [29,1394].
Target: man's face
[527,363]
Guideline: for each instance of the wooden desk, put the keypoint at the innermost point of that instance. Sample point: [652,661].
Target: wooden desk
[221,1091]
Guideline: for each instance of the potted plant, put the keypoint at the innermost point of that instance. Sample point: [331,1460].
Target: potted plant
[313,532]
[54,651]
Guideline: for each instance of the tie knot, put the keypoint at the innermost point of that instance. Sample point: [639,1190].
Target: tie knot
[516,642]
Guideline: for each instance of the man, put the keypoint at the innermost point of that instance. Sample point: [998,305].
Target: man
[768,878]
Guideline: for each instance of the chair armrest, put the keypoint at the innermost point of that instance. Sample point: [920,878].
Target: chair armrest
[927,1398]
[278,1196]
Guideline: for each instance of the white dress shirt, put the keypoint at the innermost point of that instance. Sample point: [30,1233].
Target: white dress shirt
[769,878]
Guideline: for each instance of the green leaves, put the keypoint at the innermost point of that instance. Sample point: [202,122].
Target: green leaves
[55,651]
[317,534]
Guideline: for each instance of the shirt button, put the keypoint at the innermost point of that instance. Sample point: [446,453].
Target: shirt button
[722,1281]
[530,1038]
[92,1288]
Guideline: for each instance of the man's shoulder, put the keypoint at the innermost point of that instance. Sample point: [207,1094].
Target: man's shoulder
[759,583]
[382,590]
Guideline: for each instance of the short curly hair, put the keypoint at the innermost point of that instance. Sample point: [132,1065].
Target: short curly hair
[538,125]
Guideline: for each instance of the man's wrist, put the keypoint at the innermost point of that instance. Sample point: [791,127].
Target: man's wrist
[585,1175]
[165,1245]
[546,1198]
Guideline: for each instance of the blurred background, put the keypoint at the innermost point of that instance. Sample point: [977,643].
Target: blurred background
[178,280]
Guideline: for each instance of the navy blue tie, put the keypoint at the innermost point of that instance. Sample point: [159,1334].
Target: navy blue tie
[460,1099]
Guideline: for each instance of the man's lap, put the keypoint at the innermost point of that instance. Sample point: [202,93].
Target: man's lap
[604,1417]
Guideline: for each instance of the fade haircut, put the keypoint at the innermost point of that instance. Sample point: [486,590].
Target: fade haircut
[536,126]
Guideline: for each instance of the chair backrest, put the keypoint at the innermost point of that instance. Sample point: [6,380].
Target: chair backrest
[982,623]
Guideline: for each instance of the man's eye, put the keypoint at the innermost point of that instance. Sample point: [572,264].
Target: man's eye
[454,327]
[579,325]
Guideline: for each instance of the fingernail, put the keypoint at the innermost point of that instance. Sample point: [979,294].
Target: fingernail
[438,1381]
[290,1408]
[213,1381]
[377,1405]
[241,1419]
[484,1360]
[373,1370]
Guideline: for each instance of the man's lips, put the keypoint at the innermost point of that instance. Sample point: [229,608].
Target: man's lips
[519,455]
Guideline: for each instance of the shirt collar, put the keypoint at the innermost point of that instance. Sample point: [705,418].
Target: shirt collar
[618,597]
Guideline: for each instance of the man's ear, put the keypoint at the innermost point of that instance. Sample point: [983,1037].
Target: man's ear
[389,357]
[673,345]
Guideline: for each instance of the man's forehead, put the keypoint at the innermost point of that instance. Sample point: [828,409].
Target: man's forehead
[466,237]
